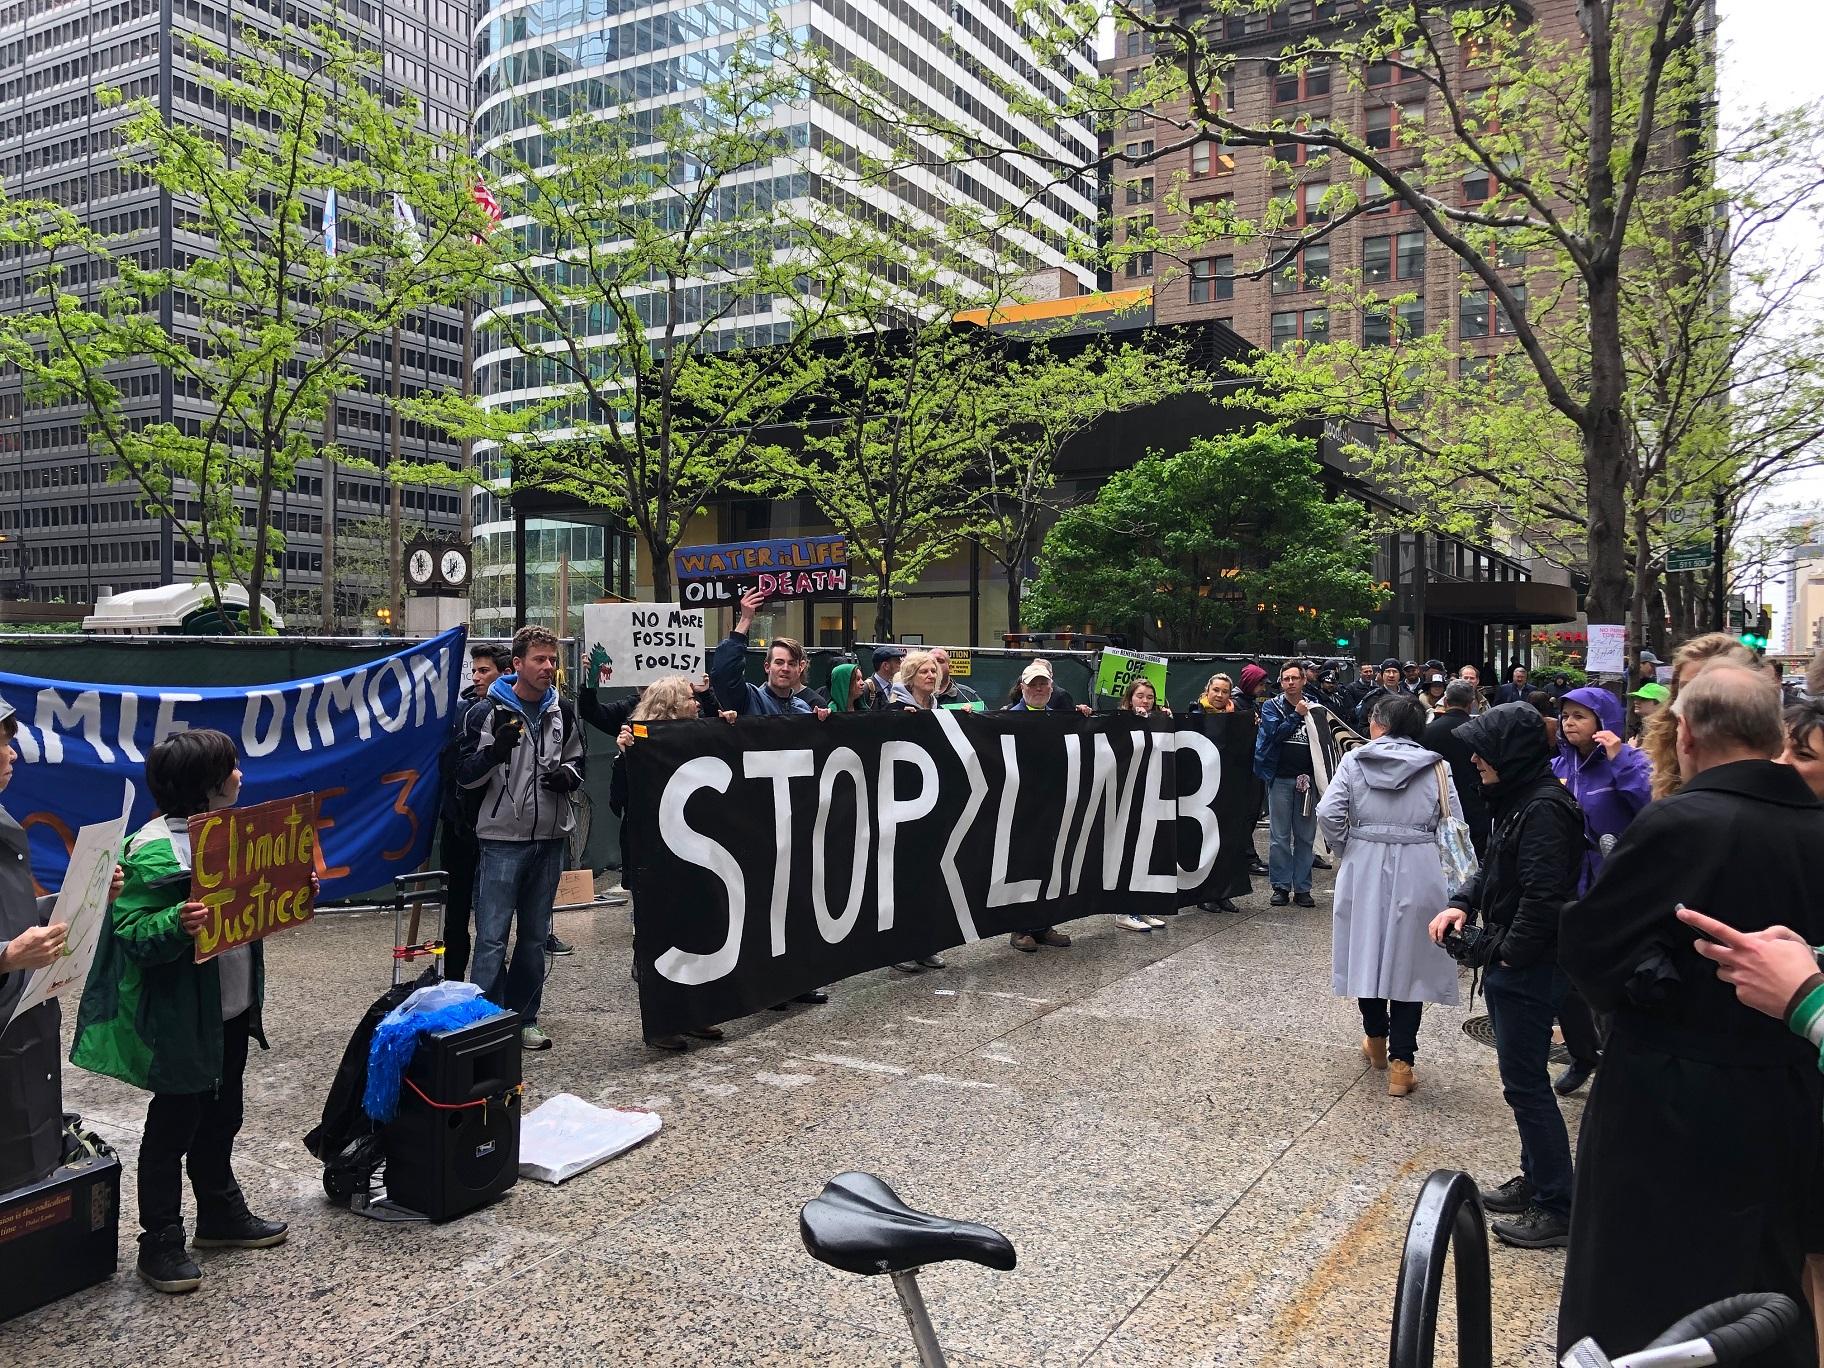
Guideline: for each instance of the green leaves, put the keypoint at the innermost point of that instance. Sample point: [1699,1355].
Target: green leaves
[1226,545]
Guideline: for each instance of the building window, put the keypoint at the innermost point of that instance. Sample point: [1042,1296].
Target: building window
[1377,327]
[1479,186]
[1139,263]
[1217,207]
[1398,67]
[1140,190]
[1136,150]
[1300,325]
[1376,189]
[1212,278]
[1208,159]
[1309,270]
[1294,83]
[1395,125]
[1310,199]
[1478,315]
[1377,260]
[1409,256]
[1509,254]
[1411,316]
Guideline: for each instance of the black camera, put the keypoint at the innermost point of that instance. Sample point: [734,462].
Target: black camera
[1473,946]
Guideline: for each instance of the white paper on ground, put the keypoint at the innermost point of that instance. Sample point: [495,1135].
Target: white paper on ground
[564,1136]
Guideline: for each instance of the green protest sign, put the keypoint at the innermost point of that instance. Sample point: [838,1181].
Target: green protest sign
[1115,669]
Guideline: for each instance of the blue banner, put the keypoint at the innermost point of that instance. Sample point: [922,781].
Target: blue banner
[367,741]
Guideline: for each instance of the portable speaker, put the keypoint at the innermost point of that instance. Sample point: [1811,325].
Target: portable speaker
[454,1144]
[60,1234]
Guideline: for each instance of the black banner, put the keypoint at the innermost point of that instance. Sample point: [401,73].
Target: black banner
[783,853]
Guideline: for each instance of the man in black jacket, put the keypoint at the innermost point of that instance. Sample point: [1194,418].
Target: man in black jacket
[1441,737]
[1388,680]
[1535,851]
[1702,1157]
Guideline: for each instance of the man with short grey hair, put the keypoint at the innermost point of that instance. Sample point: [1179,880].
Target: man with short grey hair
[1701,1162]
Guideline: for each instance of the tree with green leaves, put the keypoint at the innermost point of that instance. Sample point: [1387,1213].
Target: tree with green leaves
[1228,545]
[1031,407]
[261,331]
[659,289]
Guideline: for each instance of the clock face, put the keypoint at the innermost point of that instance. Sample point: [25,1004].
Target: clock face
[455,567]
[419,565]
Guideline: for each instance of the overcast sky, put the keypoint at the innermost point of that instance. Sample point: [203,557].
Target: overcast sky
[1770,59]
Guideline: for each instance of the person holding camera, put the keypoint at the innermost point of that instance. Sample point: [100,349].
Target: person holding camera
[1535,853]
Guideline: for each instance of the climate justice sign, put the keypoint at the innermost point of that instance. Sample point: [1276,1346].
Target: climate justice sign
[251,868]
[796,567]
[789,853]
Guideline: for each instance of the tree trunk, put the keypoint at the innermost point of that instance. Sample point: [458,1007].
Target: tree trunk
[256,580]
[661,572]
[883,615]
[1637,614]
[1015,582]
[1605,458]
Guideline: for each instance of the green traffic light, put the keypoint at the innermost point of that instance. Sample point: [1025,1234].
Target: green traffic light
[1342,641]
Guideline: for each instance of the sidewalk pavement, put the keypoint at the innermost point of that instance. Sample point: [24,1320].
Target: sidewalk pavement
[1176,1130]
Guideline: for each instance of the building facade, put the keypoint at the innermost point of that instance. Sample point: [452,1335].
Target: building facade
[69,528]
[1805,599]
[548,58]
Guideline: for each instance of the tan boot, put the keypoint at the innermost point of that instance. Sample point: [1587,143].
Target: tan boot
[1374,1050]
[1400,1080]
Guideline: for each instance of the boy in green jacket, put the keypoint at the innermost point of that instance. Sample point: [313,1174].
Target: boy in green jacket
[153,1017]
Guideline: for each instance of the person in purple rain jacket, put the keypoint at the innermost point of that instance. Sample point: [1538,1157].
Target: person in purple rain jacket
[1611,781]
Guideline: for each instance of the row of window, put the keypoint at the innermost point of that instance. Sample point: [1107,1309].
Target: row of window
[1478,316]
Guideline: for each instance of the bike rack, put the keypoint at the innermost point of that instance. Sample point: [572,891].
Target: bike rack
[1448,1215]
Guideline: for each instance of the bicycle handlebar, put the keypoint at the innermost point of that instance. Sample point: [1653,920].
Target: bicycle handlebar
[1726,1331]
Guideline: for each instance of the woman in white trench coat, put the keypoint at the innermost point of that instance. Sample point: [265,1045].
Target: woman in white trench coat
[1381,813]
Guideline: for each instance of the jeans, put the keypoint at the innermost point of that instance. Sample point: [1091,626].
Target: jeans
[515,877]
[1291,831]
[1521,1005]
[460,856]
[1398,1022]
[199,1127]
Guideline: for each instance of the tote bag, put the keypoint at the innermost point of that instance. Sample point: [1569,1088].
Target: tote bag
[1454,846]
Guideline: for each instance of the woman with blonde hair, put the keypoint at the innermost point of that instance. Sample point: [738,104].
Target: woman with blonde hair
[1659,737]
[915,690]
[1218,696]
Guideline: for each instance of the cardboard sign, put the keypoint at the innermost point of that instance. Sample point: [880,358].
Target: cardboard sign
[82,905]
[633,644]
[1115,669]
[252,867]
[794,568]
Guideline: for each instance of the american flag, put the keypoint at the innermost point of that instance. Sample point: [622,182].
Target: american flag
[490,206]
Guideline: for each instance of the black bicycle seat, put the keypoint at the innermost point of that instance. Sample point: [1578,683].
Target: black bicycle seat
[858,1224]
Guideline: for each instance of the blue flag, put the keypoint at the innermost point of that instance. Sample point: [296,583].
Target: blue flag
[367,740]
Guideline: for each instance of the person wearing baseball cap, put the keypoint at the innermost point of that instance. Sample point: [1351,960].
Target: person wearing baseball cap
[886,670]
[1649,699]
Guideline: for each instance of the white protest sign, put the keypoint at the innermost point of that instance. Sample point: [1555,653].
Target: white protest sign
[1608,649]
[630,644]
[82,905]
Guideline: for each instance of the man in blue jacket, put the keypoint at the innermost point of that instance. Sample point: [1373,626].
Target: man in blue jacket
[728,671]
[1282,761]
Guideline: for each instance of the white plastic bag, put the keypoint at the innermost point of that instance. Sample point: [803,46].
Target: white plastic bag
[564,1136]
[431,997]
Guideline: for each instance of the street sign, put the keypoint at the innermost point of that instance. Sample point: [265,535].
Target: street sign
[1689,527]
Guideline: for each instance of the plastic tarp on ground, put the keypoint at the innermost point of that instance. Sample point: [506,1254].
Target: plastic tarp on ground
[564,1136]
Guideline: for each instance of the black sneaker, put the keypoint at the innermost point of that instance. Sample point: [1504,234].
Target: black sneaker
[1221,905]
[1573,1078]
[1304,899]
[1255,866]
[1536,1228]
[245,1231]
[1510,1199]
[1280,898]
[166,1265]
[1319,862]
[554,946]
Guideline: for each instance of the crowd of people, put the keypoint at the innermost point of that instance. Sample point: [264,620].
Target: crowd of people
[1633,864]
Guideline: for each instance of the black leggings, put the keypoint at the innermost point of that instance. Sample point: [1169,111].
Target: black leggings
[1398,1022]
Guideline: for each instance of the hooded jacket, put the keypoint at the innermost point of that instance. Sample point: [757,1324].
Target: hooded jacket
[1610,792]
[515,803]
[1536,844]
[842,680]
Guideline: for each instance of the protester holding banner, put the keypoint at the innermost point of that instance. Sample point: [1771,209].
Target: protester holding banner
[916,688]
[1038,691]
[728,670]
[153,1017]
[523,750]
[1218,696]
[848,689]
[1381,814]
[667,700]
[1282,761]
[1140,697]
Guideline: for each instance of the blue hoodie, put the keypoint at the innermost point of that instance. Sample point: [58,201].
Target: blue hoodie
[1610,792]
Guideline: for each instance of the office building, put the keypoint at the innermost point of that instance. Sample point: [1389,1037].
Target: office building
[553,57]
[69,528]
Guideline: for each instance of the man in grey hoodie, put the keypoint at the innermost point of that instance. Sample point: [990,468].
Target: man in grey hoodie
[522,748]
